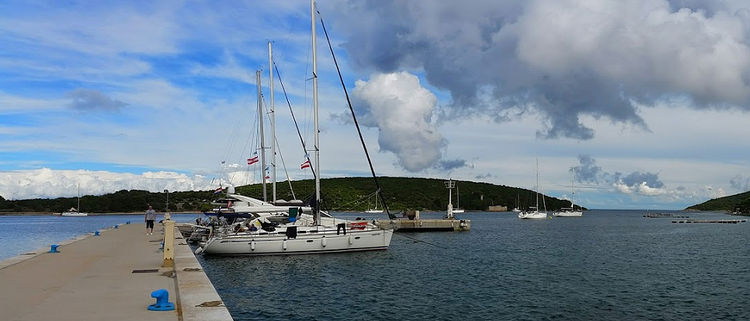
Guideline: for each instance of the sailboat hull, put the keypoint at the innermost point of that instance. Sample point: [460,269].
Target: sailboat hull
[73,214]
[568,214]
[532,215]
[313,243]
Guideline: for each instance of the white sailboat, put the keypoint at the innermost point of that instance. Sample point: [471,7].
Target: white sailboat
[458,208]
[375,210]
[299,233]
[75,211]
[516,209]
[533,211]
[569,211]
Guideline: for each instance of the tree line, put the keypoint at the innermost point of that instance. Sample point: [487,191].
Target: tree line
[338,194]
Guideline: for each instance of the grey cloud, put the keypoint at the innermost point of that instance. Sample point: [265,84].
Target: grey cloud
[88,99]
[645,183]
[587,171]
[636,178]
[448,165]
[507,58]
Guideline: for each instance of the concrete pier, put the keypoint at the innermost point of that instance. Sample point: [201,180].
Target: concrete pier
[425,225]
[107,277]
[710,221]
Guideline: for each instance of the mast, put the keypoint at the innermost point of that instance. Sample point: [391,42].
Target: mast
[316,209]
[458,198]
[537,184]
[273,123]
[262,142]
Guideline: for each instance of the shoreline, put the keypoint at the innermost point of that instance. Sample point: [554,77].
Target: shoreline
[89,214]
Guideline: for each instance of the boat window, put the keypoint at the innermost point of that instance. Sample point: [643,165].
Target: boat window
[303,232]
[263,233]
[309,241]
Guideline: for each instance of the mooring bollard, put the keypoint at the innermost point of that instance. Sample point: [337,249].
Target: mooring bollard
[96,233]
[162,301]
[53,248]
[168,244]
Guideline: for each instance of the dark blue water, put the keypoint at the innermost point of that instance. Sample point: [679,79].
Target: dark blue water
[607,265]
[20,234]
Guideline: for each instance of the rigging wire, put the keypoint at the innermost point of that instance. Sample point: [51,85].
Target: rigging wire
[296,125]
[354,117]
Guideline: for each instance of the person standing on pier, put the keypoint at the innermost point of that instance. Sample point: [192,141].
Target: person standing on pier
[150,218]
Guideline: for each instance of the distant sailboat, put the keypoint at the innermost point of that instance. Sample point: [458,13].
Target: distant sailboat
[73,211]
[569,211]
[533,212]
[517,209]
[375,210]
[458,208]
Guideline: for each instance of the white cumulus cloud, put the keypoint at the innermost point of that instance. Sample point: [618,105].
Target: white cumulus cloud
[402,110]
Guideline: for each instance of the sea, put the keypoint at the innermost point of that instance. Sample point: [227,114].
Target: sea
[606,265]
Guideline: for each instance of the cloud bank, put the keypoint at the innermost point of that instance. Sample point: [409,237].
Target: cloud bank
[48,183]
[642,183]
[560,59]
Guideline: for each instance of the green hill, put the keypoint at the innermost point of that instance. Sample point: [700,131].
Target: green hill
[339,194]
[730,203]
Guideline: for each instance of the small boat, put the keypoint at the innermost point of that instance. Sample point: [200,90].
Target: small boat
[375,210]
[533,212]
[569,211]
[73,211]
[516,209]
[458,208]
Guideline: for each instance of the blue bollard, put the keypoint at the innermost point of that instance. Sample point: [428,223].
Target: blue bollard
[53,248]
[162,301]
[96,233]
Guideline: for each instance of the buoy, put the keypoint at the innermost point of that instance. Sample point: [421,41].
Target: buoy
[162,301]
[323,242]
[252,245]
[115,226]
[96,233]
[283,244]
[53,248]
[199,250]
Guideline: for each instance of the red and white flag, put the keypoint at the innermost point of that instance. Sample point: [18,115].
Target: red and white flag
[304,165]
[252,160]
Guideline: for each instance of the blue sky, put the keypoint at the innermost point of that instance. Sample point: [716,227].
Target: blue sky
[643,103]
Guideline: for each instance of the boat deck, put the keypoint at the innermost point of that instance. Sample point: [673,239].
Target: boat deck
[107,277]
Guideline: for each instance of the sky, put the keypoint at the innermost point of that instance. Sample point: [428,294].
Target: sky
[637,104]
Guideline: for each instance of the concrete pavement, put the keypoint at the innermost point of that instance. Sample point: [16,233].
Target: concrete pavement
[106,277]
